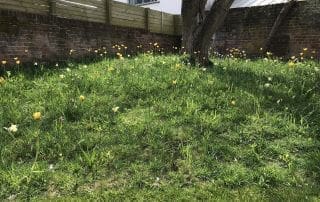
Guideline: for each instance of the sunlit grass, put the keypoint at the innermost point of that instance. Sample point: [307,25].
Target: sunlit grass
[152,127]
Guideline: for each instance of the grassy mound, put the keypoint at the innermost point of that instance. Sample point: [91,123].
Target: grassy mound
[154,128]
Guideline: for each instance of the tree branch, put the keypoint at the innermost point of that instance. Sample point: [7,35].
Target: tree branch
[282,15]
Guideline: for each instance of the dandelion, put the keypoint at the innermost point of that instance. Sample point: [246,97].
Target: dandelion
[269,78]
[233,102]
[305,49]
[3,62]
[301,54]
[57,65]
[12,129]
[36,116]
[16,58]
[115,109]
[204,69]
[293,57]
[82,98]
[35,64]
[68,69]
[291,64]
[18,62]
[174,82]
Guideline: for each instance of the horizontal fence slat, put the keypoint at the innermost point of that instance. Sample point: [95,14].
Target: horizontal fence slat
[29,6]
[101,11]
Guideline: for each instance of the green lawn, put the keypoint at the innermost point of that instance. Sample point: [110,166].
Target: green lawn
[152,128]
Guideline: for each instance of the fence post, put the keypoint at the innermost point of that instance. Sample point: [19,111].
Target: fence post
[161,22]
[147,18]
[52,7]
[108,12]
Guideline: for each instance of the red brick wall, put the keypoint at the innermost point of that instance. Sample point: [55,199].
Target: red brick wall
[248,28]
[34,38]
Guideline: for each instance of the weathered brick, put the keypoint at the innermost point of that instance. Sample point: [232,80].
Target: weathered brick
[50,38]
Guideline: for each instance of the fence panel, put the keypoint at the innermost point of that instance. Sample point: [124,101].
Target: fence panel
[29,6]
[88,10]
[128,16]
[102,11]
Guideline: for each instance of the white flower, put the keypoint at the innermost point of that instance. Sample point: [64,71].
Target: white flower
[115,109]
[204,69]
[12,129]
[267,85]
[35,64]
[62,76]
[51,167]
[68,70]
[57,65]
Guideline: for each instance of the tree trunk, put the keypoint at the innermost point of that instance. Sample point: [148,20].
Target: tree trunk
[282,15]
[199,27]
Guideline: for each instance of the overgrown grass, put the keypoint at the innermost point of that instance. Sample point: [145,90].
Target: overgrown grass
[152,128]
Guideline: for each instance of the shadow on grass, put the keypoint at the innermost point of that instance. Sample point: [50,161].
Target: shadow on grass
[301,105]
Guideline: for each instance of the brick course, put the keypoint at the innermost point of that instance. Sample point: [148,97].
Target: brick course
[248,28]
[32,37]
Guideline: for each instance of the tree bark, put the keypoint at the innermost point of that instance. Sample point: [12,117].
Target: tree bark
[281,17]
[199,27]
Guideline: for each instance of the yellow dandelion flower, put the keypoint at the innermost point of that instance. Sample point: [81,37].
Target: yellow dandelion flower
[174,82]
[291,64]
[3,62]
[82,98]
[36,116]
[18,62]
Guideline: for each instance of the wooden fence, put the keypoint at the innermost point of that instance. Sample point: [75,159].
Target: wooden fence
[101,11]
